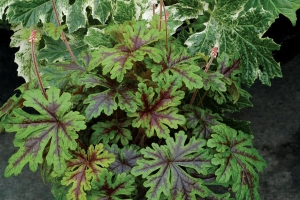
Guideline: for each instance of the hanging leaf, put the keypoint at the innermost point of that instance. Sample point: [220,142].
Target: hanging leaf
[125,158]
[230,31]
[111,186]
[54,124]
[177,61]
[106,100]
[162,166]
[111,132]
[238,161]
[154,115]
[200,121]
[119,59]
[286,7]
[84,168]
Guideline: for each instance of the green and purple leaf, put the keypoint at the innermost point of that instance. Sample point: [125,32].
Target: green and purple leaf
[54,124]
[177,61]
[111,132]
[106,101]
[164,168]
[154,115]
[125,158]
[133,48]
[110,186]
[238,160]
[84,168]
[200,121]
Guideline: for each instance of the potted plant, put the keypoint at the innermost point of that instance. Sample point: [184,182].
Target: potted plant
[129,99]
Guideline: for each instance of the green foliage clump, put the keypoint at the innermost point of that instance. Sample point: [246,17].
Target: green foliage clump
[133,95]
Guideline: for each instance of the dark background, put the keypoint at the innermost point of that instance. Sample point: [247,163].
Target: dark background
[275,121]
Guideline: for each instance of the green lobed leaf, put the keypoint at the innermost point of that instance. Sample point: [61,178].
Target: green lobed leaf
[163,167]
[155,114]
[241,35]
[200,120]
[55,124]
[106,101]
[111,132]
[125,158]
[238,161]
[177,61]
[84,168]
[133,48]
[110,186]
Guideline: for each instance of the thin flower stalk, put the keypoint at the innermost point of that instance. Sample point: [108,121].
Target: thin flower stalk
[213,54]
[32,39]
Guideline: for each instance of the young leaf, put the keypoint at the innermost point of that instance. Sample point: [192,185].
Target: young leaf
[240,34]
[111,131]
[163,167]
[119,59]
[106,100]
[54,124]
[177,61]
[84,168]
[110,186]
[237,159]
[125,158]
[53,31]
[154,115]
[200,121]
[213,81]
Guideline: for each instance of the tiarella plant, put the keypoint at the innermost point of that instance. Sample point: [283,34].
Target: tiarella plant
[127,99]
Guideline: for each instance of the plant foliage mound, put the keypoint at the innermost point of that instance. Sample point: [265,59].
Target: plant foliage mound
[128,99]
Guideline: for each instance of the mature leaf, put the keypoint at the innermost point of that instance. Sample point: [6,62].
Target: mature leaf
[74,72]
[179,62]
[200,120]
[106,100]
[30,12]
[101,9]
[213,81]
[54,124]
[96,38]
[53,31]
[110,186]
[23,56]
[188,9]
[125,158]
[163,167]
[57,51]
[84,168]
[119,59]
[240,35]
[125,11]
[286,7]
[111,132]
[237,159]
[154,115]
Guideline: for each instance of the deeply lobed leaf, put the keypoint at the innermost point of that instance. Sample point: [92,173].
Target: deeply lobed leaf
[84,168]
[54,124]
[163,167]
